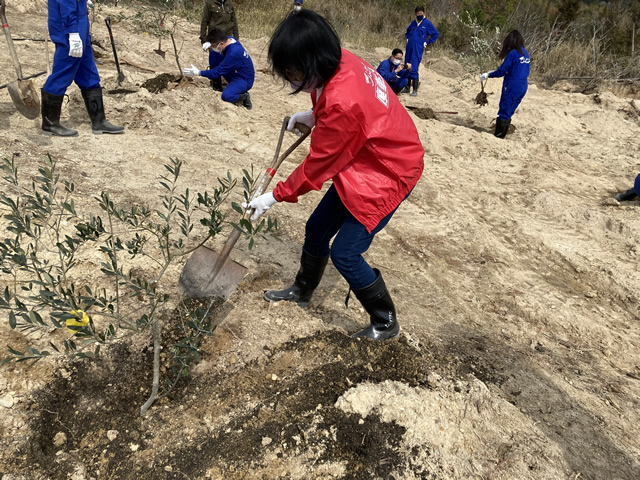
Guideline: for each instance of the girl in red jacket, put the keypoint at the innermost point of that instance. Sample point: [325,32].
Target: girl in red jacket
[364,140]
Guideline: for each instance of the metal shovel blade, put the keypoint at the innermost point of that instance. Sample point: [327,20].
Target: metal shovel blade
[25,98]
[196,275]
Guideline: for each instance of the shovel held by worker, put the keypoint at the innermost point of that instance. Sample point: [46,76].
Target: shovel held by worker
[209,274]
[22,92]
[115,54]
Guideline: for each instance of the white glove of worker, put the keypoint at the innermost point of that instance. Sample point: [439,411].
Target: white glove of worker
[89,4]
[206,46]
[261,204]
[484,77]
[191,72]
[75,45]
[425,45]
[305,118]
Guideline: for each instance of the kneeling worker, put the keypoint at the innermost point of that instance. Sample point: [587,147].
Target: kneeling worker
[236,67]
[394,71]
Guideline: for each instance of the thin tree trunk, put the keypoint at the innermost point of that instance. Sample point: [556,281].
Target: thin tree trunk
[175,51]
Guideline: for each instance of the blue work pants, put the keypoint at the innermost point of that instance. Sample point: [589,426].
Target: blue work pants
[66,70]
[512,94]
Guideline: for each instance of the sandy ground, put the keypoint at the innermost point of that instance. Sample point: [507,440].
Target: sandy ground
[513,270]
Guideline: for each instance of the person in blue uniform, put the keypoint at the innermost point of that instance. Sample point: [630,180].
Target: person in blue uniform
[630,194]
[72,62]
[217,14]
[394,71]
[236,68]
[515,70]
[419,34]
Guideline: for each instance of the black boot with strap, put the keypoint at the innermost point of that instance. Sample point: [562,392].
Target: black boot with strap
[377,301]
[307,280]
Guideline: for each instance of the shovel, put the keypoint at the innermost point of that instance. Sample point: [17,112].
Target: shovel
[209,274]
[22,92]
[115,54]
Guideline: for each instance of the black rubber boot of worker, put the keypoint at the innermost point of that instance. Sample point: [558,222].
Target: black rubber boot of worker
[502,127]
[376,300]
[95,108]
[627,196]
[307,280]
[216,84]
[416,84]
[51,107]
[245,98]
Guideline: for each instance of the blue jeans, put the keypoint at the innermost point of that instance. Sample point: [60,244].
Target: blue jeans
[331,218]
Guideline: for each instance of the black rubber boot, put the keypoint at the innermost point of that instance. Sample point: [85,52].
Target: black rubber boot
[376,300]
[95,108]
[51,107]
[216,84]
[627,196]
[307,279]
[502,127]
[416,84]
[245,101]
[406,89]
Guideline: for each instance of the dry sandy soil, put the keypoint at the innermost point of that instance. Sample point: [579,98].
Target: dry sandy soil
[513,270]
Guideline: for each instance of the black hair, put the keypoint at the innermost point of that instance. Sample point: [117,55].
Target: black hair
[216,36]
[395,52]
[420,8]
[305,44]
[513,41]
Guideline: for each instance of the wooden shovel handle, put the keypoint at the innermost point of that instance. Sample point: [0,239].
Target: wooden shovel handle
[264,182]
[7,34]
[278,159]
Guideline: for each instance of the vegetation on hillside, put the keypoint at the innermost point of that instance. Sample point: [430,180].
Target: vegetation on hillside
[566,38]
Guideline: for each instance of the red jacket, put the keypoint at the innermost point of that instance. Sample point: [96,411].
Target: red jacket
[364,140]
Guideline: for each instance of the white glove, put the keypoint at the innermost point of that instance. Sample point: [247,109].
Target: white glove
[89,4]
[306,118]
[191,72]
[425,45]
[261,204]
[206,46]
[484,77]
[75,45]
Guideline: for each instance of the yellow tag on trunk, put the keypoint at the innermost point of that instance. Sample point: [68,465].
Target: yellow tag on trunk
[81,320]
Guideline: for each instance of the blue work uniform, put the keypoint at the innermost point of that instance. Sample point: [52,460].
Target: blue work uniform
[397,82]
[215,59]
[65,17]
[515,70]
[417,35]
[237,69]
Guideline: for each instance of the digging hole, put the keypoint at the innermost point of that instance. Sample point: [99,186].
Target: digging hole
[425,113]
[162,82]
[124,91]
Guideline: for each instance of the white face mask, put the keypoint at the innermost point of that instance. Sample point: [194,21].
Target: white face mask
[396,61]
[296,86]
